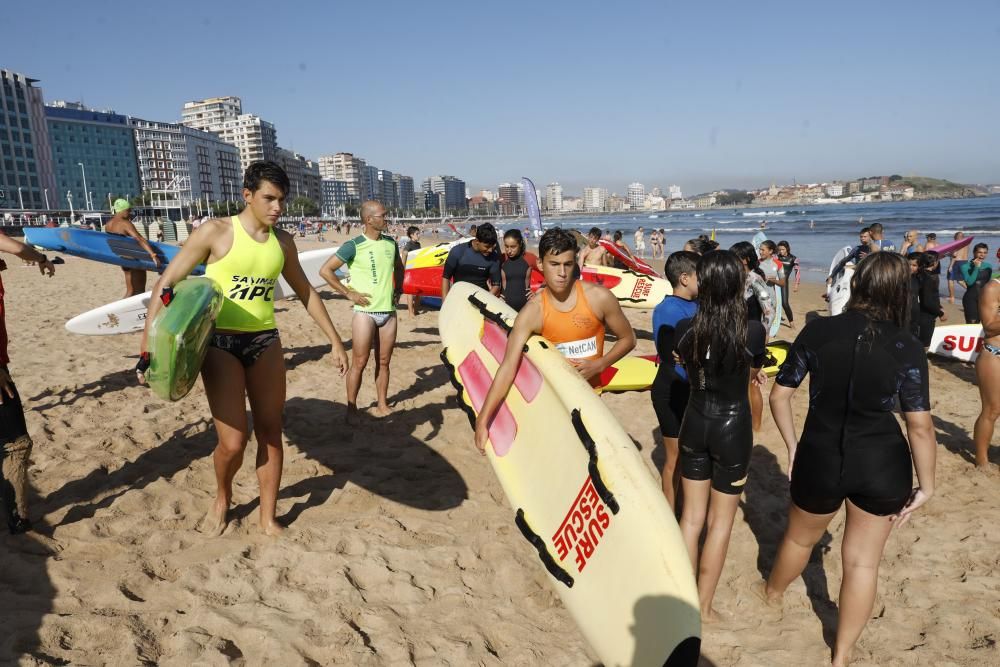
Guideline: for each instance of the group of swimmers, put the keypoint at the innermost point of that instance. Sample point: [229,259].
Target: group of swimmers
[710,336]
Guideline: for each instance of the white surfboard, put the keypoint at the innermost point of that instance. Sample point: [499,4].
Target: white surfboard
[840,291]
[129,315]
[963,342]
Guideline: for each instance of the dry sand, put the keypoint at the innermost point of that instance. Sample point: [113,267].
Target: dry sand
[401,547]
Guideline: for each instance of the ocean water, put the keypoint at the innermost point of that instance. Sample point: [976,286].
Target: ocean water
[834,226]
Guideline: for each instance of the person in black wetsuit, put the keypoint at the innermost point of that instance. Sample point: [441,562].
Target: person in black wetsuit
[515,272]
[852,448]
[789,265]
[929,286]
[914,264]
[719,347]
[976,273]
[476,262]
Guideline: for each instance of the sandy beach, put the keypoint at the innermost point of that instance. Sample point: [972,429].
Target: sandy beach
[401,548]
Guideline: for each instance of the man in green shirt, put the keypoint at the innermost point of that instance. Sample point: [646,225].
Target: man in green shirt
[376,283]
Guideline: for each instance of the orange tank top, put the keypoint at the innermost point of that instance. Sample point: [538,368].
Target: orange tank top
[577,333]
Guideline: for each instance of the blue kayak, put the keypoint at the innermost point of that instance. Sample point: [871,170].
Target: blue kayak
[115,249]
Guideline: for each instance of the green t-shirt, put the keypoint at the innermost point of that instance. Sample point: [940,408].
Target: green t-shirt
[371,265]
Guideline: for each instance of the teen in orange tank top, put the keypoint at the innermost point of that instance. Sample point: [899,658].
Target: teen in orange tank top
[577,333]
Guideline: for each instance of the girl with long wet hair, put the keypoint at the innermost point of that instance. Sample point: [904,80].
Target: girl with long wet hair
[852,449]
[719,349]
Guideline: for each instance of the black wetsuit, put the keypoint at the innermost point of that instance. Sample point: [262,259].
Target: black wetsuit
[716,435]
[930,306]
[515,274]
[788,263]
[466,265]
[851,445]
[915,305]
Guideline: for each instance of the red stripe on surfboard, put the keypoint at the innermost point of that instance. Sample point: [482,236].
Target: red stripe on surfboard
[528,380]
[477,379]
[603,279]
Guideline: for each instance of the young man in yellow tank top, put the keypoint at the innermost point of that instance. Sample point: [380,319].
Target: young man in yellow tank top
[570,313]
[245,255]
[376,283]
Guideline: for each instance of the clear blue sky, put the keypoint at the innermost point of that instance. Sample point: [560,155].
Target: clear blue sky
[704,95]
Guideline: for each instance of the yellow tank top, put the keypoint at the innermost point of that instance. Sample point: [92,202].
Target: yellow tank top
[247,275]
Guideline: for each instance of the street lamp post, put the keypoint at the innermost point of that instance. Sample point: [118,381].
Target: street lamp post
[86,199]
[20,199]
[110,205]
[46,199]
[69,198]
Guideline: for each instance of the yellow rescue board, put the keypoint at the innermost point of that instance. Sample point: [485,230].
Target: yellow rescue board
[579,491]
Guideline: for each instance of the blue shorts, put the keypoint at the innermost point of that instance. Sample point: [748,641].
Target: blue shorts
[955,272]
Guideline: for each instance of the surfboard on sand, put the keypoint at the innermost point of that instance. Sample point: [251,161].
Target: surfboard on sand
[579,492]
[628,259]
[129,315]
[839,291]
[178,337]
[114,249]
[963,342]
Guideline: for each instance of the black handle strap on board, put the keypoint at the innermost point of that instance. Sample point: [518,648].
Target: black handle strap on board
[496,318]
[543,553]
[595,474]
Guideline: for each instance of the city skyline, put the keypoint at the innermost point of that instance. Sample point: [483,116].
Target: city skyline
[602,97]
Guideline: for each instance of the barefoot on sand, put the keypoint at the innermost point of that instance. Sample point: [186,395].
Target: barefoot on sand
[272,528]
[216,519]
[380,411]
[759,589]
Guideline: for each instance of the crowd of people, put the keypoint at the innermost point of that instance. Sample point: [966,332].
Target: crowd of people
[710,337]
[707,398]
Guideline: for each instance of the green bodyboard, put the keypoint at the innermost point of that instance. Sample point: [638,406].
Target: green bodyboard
[179,336]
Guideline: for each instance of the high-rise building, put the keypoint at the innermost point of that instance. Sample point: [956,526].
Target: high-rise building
[595,199]
[369,182]
[675,192]
[253,136]
[636,196]
[404,191]
[190,164]
[344,167]
[334,195]
[26,173]
[509,199]
[209,114]
[303,175]
[553,197]
[386,190]
[96,147]
[450,193]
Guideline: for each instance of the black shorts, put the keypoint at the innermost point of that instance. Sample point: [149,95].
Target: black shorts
[670,400]
[12,424]
[877,479]
[715,443]
[247,347]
